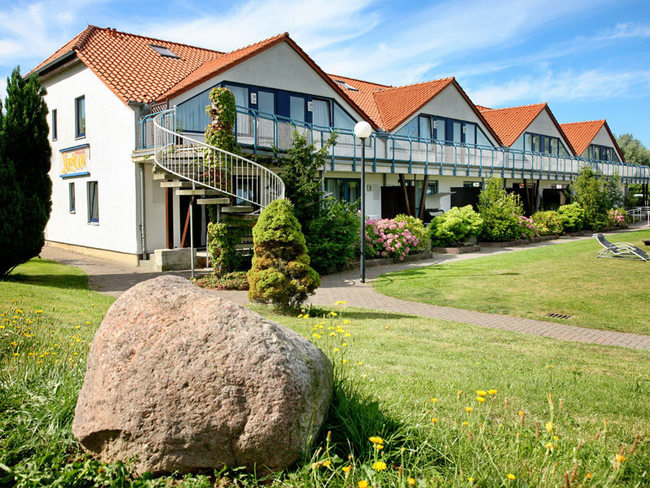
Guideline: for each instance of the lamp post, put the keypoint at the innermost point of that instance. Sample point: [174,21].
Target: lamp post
[363,130]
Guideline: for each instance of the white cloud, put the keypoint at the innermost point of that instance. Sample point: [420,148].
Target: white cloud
[313,24]
[568,85]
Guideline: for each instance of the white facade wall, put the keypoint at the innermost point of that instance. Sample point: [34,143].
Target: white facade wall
[110,133]
[279,67]
[542,124]
[450,103]
[602,138]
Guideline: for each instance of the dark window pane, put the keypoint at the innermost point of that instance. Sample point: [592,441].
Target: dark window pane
[80,116]
[266,102]
[297,108]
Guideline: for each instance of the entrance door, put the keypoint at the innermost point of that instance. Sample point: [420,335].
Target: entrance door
[197,217]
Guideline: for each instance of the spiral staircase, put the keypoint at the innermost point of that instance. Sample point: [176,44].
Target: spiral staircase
[210,175]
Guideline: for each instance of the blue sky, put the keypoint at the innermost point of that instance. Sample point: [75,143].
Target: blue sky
[589,59]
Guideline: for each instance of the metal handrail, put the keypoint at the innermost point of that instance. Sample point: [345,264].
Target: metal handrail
[262,132]
[213,168]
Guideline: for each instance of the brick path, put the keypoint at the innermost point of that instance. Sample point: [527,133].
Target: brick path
[111,278]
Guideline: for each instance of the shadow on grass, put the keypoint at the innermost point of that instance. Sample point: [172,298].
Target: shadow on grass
[76,282]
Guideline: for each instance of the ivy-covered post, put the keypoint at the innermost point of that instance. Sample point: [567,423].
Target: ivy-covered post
[222,112]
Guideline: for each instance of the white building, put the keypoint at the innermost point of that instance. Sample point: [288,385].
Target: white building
[431,147]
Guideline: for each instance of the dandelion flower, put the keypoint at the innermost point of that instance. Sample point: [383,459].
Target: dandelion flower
[316,336]
[376,440]
[465,424]
[346,469]
[549,446]
[511,476]
[471,480]
[459,392]
[379,466]
[333,313]
[38,312]
[620,458]
[363,484]
[344,344]
[468,409]
[434,400]
[520,413]
[378,447]
[411,481]
[589,476]
[336,349]
[345,361]
[360,363]
[481,393]
[346,322]
[434,421]
[480,399]
[492,392]
[327,463]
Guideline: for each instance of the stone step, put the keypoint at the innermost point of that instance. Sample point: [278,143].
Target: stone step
[237,209]
[175,184]
[213,201]
[161,175]
[197,193]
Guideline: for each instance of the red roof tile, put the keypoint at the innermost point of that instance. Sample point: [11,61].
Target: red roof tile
[509,123]
[128,65]
[365,96]
[581,135]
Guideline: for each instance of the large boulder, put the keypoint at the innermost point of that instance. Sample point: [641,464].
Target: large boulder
[179,379]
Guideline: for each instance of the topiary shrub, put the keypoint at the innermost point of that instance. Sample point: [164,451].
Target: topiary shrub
[333,236]
[281,274]
[416,227]
[500,212]
[455,227]
[548,222]
[573,217]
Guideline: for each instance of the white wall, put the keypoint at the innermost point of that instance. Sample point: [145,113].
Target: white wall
[601,138]
[542,124]
[450,103]
[111,135]
[279,67]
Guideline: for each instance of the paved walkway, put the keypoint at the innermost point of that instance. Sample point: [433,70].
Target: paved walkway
[113,278]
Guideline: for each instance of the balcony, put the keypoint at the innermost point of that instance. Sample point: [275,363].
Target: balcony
[261,134]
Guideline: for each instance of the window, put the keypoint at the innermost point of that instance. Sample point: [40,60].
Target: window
[410,129]
[346,86]
[602,153]
[266,102]
[320,113]
[164,51]
[341,118]
[297,108]
[344,189]
[71,198]
[93,202]
[544,144]
[54,127]
[80,116]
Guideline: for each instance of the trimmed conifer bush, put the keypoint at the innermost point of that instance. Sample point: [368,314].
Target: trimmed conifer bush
[25,186]
[281,274]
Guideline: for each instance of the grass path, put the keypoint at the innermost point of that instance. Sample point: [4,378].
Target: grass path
[608,294]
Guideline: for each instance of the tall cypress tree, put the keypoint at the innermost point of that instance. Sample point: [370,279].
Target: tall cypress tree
[25,185]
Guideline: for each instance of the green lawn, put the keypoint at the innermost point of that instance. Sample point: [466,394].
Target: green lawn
[389,369]
[610,294]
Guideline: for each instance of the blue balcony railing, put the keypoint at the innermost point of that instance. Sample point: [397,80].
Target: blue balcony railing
[263,133]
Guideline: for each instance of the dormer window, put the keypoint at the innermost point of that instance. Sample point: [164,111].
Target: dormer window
[346,86]
[164,51]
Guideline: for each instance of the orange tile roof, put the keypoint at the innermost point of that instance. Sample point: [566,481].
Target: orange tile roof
[509,123]
[582,133]
[365,96]
[129,66]
[397,104]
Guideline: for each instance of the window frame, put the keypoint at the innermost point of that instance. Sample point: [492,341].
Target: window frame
[93,203]
[77,120]
[54,121]
[72,198]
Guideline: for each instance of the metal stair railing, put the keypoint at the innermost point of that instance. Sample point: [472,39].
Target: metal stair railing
[212,168]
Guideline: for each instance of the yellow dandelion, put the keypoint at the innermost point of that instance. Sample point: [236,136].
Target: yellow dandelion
[336,349]
[363,484]
[376,440]
[481,393]
[306,316]
[434,400]
[549,446]
[300,316]
[520,413]
[345,361]
[465,424]
[589,476]
[468,409]
[511,476]
[345,344]
[379,466]
[471,480]
[316,336]
[332,334]
[327,463]
[555,437]
[549,426]
[411,481]
[378,447]
[333,313]
[346,322]
[38,312]
[480,399]
[492,392]
[346,469]
[87,323]
[459,392]
[434,421]
[620,458]
[360,363]
[347,334]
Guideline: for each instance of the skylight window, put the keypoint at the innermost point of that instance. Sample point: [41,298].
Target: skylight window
[164,51]
[346,86]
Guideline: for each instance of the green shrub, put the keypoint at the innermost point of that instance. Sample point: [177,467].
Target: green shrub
[573,217]
[332,237]
[548,222]
[281,274]
[223,238]
[415,227]
[500,212]
[596,194]
[455,226]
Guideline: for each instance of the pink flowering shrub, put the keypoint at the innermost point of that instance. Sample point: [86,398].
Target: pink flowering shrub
[527,228]
[617,217]
[389,239]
